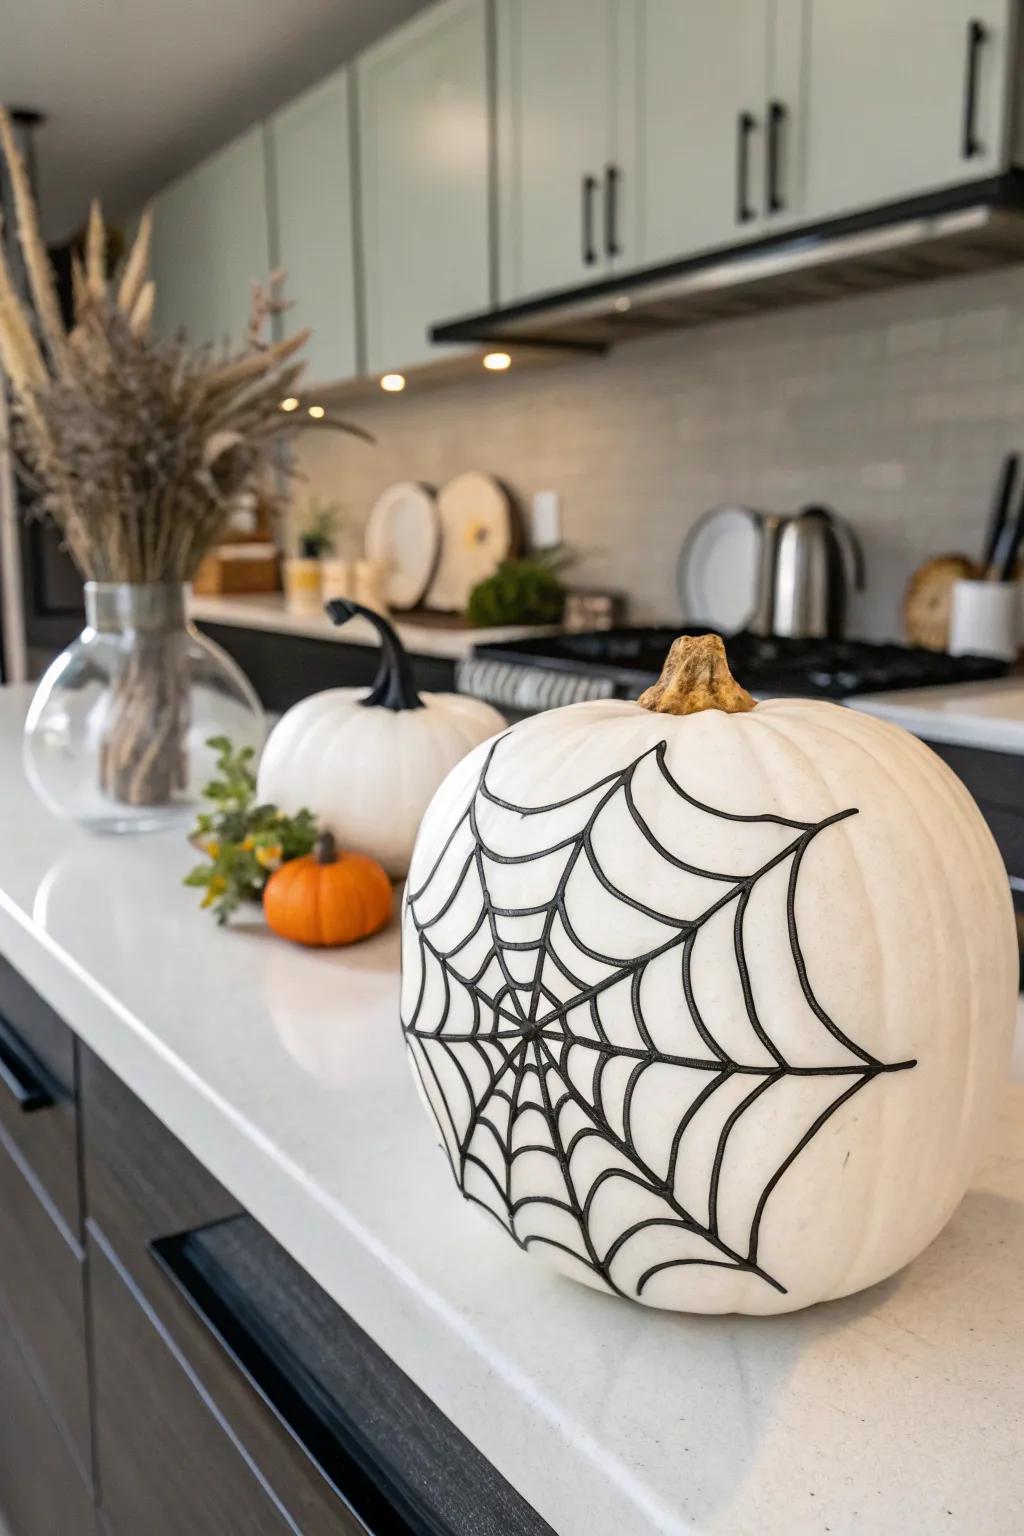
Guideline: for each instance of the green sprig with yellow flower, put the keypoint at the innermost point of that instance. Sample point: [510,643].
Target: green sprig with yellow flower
[243,842]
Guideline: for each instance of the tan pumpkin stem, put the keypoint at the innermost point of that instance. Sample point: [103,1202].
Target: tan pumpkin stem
[696,676]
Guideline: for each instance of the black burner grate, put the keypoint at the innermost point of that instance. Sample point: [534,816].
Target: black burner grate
[830,669]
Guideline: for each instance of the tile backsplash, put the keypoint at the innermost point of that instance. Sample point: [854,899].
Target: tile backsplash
[892,408]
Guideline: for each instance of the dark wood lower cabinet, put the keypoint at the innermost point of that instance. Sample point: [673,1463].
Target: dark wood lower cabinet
[169,1463]
[42,1292]
[37,1067]
[156,1190]
[167,1369]
[42,1492]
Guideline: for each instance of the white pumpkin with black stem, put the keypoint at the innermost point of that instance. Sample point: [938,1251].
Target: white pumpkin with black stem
[711,1003]
[367,761]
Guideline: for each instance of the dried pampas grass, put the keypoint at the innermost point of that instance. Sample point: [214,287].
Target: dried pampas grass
[134,445]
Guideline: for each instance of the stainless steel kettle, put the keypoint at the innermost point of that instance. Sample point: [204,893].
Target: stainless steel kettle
[810,560]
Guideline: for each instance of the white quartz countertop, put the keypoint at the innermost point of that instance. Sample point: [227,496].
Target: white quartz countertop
[989,715]
[269,611]
[897,1411]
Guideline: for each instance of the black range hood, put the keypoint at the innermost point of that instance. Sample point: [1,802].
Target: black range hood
[969,228]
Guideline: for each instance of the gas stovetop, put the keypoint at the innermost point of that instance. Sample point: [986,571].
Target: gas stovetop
[618,663]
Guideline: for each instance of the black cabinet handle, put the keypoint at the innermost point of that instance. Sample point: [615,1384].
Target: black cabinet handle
[265,1362]
[589,193]
[390,1456]
[25,1078]
[776,119]
[746,122]
[977,37]
[611,211]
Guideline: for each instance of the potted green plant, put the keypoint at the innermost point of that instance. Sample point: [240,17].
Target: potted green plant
[318,529]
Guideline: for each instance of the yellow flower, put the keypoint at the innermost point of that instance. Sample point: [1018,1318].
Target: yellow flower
[270,856]
[213,847]
[217,886]
[248,843]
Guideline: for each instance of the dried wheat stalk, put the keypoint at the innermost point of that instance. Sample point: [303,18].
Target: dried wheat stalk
[136,446]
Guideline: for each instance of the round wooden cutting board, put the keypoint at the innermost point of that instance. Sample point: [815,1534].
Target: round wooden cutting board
[478,532]
[928,601]
[403,533]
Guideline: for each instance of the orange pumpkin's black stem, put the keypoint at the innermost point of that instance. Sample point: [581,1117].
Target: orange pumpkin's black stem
[325,849]
[393,687]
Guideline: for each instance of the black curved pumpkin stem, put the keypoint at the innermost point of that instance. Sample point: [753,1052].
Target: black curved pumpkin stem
[393,687]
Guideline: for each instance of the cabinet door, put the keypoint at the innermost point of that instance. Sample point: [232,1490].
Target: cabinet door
[901,99]
[555,90]
[312,218]
[702,73]
[168,1463]
[424,157]
[41,1489]
[210,240]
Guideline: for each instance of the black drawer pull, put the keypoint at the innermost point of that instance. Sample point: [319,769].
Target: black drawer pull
[746,122]
[776,120]
[977,37]
[283,1383]
[389,1454]
[611,211]
[24,1077]
[589,193]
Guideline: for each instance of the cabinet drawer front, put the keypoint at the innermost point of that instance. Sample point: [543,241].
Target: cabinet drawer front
[41,1491]
[41,1291]
[37,1090]
[142,1184]
[398,1464]
[168,1464]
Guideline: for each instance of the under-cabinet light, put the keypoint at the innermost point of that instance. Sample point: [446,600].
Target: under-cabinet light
[291,404]
[497,362]
[316,411]
[392,382]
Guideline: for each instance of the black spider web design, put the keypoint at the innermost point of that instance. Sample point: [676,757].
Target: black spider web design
[505,1013]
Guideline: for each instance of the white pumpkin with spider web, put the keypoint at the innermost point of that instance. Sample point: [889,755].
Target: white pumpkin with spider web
[711,1004]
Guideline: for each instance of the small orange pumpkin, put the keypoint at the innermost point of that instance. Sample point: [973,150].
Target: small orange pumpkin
[328,898]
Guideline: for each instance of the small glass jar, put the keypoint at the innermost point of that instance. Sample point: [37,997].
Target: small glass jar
[116,734]
[369,584]
[336,579]
[302,584]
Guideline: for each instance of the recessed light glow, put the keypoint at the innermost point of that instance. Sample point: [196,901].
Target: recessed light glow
[393,382]
[497,362]
[316,411]
[291,404]
[623,303]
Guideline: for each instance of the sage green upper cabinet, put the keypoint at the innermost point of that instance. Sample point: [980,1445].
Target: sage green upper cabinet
[210,239]
[424,115]
[902,98]
[700,146]
[310,147]
[556,140]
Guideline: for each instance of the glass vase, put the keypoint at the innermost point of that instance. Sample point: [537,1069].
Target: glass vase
[116,733]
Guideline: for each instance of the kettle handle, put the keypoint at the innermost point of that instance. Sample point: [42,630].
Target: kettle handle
[846,536]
